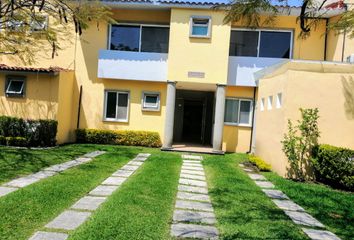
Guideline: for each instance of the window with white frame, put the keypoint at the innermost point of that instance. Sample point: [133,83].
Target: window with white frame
[262,104]
[279,100]
[15,86]
[151,101]
[270,103]
[238,111]
[261,43]
[139,38]
[200,26]
[116,106]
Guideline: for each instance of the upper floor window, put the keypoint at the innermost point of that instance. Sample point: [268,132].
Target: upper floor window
[139,38]
[200,26]
[261,43]
[15,86]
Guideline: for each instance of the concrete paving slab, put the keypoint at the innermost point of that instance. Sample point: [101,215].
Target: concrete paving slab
[241,165]
[256,176]
[94,154]
[186,188]
[191,161]
[122,173]
[288,205]
[130,167]
[264,184]
[181,230]
[146,155]
[193,157]
[68,220]
[191,172]
[43,174]
[320,234]
[83,159]
[103,190]
[194,217]
[58,167]
[190,182]
[192,165]
[135,163]
[192,168]
[193,196]
[190,176]
[114,181]
[191,205]
[275,194]
[89,203]
[248,170]
[303,218]
[22,182]
[40,235]
[6,190]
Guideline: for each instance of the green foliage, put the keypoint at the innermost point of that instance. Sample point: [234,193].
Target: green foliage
[334,166]
[260,163]
[16,141]
[299,142]
[2,140]
[37,132]
[130,138]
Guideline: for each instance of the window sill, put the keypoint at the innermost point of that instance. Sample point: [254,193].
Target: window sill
[199,36]
[150,110]
[237,125]
[115,120]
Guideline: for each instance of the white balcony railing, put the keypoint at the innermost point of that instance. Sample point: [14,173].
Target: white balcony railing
[132,65]
[241,69]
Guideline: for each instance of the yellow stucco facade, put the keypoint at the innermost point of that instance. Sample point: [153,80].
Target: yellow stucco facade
[57,96]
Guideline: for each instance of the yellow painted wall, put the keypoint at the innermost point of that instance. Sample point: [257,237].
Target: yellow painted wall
[331,92]
[311,48]
[187,54]
[237,138]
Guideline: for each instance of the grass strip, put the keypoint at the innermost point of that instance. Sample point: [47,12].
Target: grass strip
[334,208]
[242,210]
[142,207]
[30,208]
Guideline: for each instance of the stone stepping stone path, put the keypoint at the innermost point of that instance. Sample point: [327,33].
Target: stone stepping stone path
[194,214]
[295,212]
[21,182]
[80,211]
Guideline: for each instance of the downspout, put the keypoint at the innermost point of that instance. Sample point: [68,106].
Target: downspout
[79,109]
[325,43]
[253,111]
[344,35]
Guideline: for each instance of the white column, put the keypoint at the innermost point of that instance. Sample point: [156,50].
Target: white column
[170,114]
[219,118]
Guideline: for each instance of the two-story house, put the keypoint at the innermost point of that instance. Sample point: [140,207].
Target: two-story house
[175,67]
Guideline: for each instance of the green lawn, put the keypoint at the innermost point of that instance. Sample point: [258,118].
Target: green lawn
[333,208]
[30,208]
[16,162]
[142,208]
[243,211]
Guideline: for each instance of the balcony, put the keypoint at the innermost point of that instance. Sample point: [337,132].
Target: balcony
[241,69]
[126,65]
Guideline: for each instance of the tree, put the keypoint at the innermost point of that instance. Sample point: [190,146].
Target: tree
[249,12]
[24,28]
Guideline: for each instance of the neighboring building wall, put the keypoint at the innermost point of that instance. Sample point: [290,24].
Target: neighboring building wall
[237,138]
[331,92]
[204,55]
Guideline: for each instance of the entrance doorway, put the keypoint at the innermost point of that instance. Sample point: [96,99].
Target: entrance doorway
[193,117]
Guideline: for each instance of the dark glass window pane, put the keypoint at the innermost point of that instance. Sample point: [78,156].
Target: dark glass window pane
[125,38]
[15,86]
[231,110]
[155,39]
[244,43]
[275,44]
[111,105]
[123,106]
[245,110]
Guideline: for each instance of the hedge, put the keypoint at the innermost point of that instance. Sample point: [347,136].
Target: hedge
[334,166]
[119,137]
[38,133]
[260,163]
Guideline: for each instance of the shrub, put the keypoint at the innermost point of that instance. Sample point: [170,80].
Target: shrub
[2,140]
[131,138]
[260,163]
[16,141]
[37,132]
[334,166]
